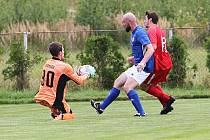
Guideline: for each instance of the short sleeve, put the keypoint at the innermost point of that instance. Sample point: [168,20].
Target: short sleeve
[143,37]
[152,35]
[74,76]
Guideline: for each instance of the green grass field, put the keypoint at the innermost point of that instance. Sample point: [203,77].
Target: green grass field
[189,121]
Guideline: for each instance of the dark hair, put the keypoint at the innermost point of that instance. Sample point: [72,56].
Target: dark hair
[152,15]
[55,48]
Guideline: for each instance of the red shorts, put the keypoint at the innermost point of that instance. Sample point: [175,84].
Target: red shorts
[156,78]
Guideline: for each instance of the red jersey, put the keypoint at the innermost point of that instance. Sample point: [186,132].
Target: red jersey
[161,55]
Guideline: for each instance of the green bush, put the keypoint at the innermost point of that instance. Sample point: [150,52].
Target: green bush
[178,51]
[1,50]
[19,63]
[103,53]
[98,14]
[35,11]
[207,46]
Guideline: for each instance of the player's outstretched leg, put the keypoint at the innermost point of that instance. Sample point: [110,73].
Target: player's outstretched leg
[164,98]
[133,96]
[100,107]
[95,105]
[157,91]
[168,108]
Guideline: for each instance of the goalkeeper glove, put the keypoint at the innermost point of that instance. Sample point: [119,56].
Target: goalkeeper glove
[88,70]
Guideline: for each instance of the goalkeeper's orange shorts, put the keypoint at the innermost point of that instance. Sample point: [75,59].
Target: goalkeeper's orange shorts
[55,112]
[50,104]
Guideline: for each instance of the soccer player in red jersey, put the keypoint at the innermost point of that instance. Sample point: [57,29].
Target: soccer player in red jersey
[163,63]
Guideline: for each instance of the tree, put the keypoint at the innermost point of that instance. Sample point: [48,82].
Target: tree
[207,47]
[13,11]
[90,13]
[169,9]
[97,13]
[103,53]
[178,51]
[18,65]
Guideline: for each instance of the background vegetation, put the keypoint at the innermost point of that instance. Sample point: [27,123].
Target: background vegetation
[103,53]
[71,22]
[99,14]
[178,51]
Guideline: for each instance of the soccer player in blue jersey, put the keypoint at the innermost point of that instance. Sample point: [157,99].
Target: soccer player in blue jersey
[143,60]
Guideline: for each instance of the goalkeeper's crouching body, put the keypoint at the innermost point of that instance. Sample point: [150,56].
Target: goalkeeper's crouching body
[55,74]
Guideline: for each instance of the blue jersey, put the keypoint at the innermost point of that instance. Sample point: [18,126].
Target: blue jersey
[139,39]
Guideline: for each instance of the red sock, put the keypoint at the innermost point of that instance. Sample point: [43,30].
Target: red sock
[158,92]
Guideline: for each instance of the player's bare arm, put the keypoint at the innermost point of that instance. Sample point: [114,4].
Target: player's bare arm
[80,80]
[130,59]
[148,54]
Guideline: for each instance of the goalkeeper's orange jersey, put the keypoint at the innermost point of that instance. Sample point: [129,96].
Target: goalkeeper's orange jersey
[53,83]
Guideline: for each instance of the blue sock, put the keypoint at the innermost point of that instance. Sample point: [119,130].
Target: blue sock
[113,94]
[133,96]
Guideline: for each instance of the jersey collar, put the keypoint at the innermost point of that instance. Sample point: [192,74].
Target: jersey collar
[153,26]
[55,58]
[135,30]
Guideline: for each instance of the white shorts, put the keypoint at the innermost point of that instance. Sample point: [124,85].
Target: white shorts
[140,77]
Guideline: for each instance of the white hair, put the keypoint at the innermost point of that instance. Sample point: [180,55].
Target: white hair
[129,16]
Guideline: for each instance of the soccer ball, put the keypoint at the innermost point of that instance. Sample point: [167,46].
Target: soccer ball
[87,69]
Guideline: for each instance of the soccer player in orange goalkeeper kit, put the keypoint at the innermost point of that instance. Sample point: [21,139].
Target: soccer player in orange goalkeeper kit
[52,90]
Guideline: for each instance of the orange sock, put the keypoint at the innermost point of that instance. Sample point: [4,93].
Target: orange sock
[68,116]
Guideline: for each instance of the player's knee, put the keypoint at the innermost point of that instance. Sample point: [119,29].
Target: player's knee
[117,84]
[126,89]
[120,81]
[55,112]
[144,87]
[44,103]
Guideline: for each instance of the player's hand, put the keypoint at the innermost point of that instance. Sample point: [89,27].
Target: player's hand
[82,70]
[130,59]
[141,66]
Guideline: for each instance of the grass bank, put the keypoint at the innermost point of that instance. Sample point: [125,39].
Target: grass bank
[26,96]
